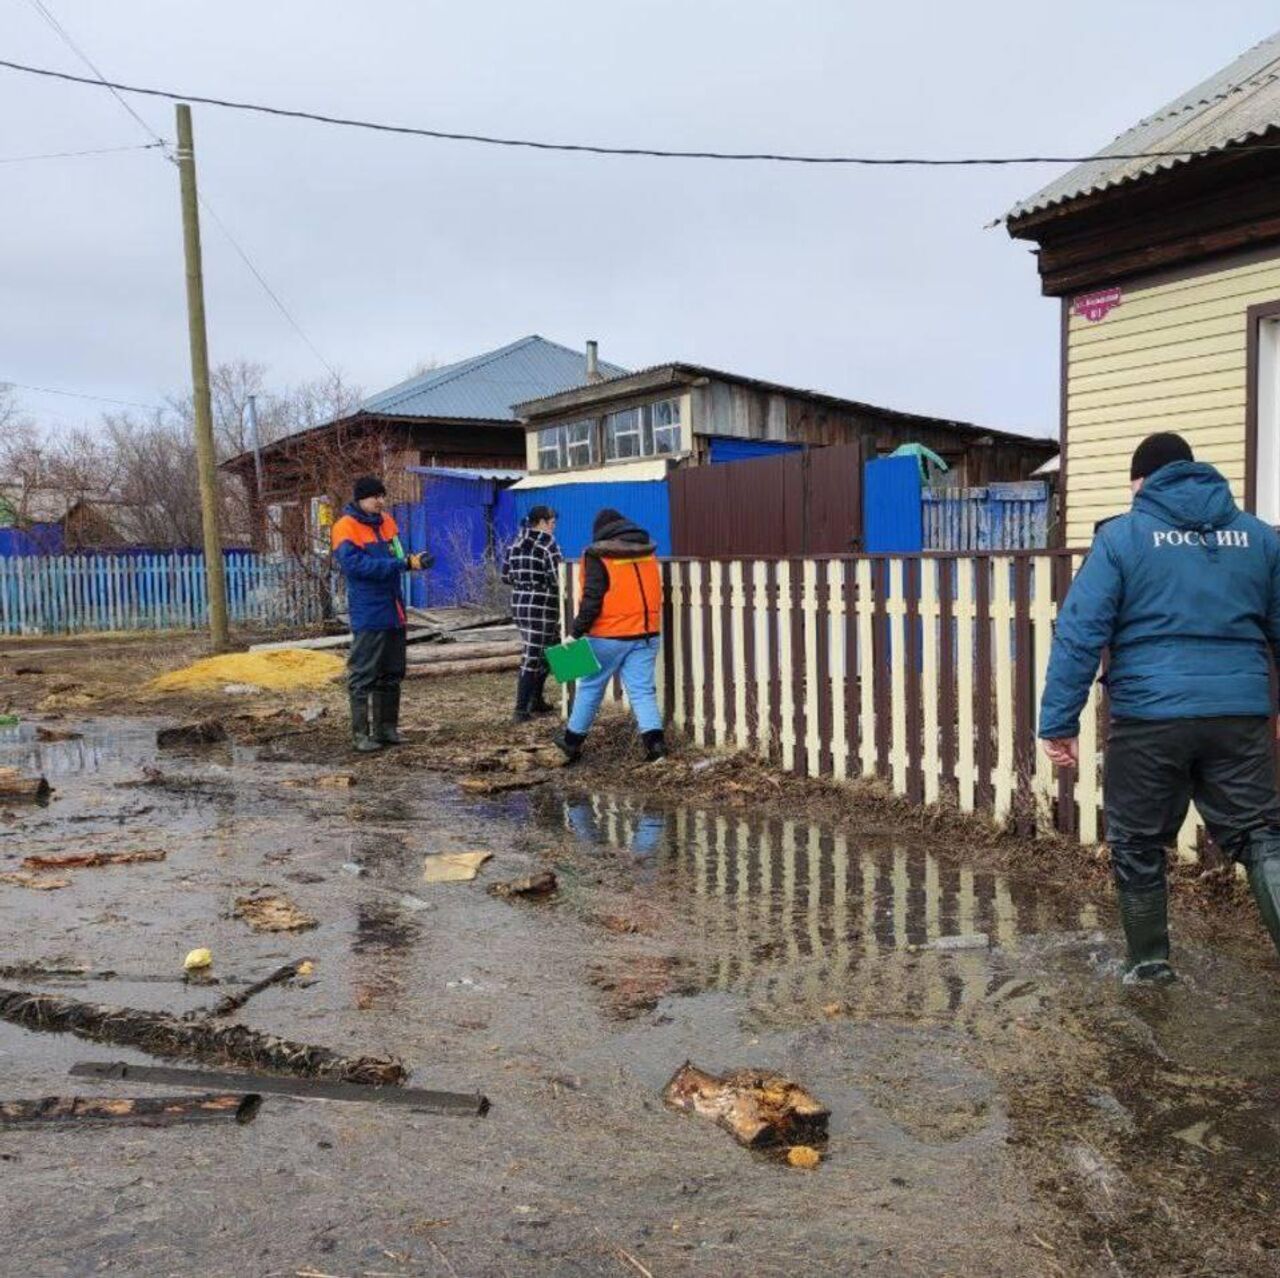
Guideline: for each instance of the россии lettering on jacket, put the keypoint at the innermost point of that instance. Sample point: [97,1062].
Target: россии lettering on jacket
[1235,537]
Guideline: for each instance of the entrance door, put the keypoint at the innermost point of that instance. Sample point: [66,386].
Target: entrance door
[1266,393]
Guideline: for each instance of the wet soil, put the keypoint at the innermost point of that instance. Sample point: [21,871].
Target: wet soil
[1006,1107]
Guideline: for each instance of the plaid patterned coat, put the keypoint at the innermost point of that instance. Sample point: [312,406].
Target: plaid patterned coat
[532,570]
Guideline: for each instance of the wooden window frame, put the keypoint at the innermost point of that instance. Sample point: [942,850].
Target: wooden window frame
[1253,327]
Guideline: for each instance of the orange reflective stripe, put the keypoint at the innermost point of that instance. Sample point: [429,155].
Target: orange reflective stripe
[360,534]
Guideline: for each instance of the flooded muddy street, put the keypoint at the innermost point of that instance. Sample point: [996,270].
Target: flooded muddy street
[1000,1102]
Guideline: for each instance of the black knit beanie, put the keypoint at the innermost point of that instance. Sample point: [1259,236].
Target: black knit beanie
[1156,451]
[369,486]
[604,519]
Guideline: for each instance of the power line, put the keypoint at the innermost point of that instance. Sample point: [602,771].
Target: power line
[72,155]
[101,80]
[98,399]
[591,149]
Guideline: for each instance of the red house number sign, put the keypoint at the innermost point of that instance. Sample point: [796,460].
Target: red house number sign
[1096,306]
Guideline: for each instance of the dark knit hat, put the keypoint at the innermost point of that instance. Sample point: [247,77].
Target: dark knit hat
[1156,451]
[539,514]
[369,486]
[604,519]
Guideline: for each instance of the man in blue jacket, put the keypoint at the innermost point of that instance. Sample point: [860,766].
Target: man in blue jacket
[366,544]
[1184,591]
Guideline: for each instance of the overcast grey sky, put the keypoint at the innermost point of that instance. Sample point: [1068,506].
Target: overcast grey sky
[877,284]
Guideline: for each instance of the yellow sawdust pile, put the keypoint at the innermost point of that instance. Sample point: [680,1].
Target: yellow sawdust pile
[281,669]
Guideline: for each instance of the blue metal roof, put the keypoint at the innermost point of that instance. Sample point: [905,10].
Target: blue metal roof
[486,386]
[465,472]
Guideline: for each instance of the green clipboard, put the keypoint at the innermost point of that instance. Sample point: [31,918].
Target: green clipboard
[572,661]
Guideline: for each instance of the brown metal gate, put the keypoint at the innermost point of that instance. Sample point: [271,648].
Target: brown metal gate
[807,503]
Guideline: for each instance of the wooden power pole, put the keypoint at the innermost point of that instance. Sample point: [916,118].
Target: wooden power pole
[206,462]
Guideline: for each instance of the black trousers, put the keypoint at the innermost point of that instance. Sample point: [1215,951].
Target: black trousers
[1154,768]
[376,661]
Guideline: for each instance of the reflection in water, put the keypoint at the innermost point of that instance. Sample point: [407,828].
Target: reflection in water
[806,915]
[100,744]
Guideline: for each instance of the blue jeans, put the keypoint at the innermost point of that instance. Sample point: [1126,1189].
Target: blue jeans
[634,660]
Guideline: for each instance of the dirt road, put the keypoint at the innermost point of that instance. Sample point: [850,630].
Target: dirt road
[1005,1107]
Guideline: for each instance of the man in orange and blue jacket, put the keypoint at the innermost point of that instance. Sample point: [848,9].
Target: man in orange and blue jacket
[366,544]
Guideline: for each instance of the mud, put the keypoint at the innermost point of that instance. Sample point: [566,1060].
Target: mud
[1008,1109]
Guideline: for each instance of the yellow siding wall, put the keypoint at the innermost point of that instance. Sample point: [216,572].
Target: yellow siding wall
[1169,357]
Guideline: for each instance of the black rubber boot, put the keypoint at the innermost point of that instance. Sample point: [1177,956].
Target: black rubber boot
[571,744]
[361,738]
[1145,916]
[655,746]
[524,697]
[1264,879]
[386,713]
[540,704]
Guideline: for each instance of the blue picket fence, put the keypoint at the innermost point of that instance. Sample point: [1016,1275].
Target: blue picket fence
[70,594]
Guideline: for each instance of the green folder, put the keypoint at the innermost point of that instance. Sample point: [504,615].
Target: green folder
[572,660]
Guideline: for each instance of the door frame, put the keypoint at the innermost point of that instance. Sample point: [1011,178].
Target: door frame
[1253,327]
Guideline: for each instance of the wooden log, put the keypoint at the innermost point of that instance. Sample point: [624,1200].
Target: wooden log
[482,666]
[202,732]
[497,785]
[233,1002]
[148,1111]
[463,652]
[86,860]
[460,1104]
[16,785]
[756,1107]
[165,1035]
[541,884]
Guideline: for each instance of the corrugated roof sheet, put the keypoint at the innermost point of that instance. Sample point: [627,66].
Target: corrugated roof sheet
[465,472]
[486,386]
[1240,102]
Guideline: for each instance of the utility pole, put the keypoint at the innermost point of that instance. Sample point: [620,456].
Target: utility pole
[215,577]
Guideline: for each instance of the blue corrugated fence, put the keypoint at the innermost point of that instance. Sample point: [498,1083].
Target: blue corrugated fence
[644,502]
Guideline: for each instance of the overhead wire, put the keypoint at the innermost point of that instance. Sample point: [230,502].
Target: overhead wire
[100,399]
[158,141]
[600,149]
[73,155]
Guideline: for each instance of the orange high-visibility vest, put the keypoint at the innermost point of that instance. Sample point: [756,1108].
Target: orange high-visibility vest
[632,607]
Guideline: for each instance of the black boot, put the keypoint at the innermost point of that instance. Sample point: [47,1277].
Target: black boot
[1264,879]
[655,745]
[361,738]
[571,743]
[386,716]
[524,697]
[539,703]
[1145,915]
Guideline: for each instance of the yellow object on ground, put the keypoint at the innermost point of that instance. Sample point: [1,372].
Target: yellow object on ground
[803,1156]
[453,867]
[198,959]
[279,669]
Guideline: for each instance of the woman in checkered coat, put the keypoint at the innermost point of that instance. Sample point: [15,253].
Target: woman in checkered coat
[532,570]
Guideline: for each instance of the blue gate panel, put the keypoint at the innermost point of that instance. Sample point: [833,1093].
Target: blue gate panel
[642,501]
[892,506]
[726,449]
[451,522]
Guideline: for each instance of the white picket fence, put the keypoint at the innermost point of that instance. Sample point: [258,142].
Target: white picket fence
[71,594]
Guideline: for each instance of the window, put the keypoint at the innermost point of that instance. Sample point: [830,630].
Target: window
[560,447]
[623,434]
[666,426]
[551,455]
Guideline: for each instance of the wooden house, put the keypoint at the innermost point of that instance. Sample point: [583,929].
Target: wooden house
[1167,271]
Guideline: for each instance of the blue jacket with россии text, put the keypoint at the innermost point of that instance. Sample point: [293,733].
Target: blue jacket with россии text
[1185,592]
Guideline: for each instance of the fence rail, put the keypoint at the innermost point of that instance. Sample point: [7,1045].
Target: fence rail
[69,594]
[924,671]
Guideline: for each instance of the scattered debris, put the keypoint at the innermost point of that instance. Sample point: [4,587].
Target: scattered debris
[803,1156]
[530,885]
[352,868]
[240,689]
[202,732]
[165,1035]
[57,734]
[91,860]
[309,714]
[498,785]
[198,960]
[414,904]
[15,784]
[329,781]
[147,1111]
[431,1102]
[518,759]
[757,1107]
[9,721]
[277,670]
[36,882]
[453,867]
[29,670]
[272,914]
[233,1002]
